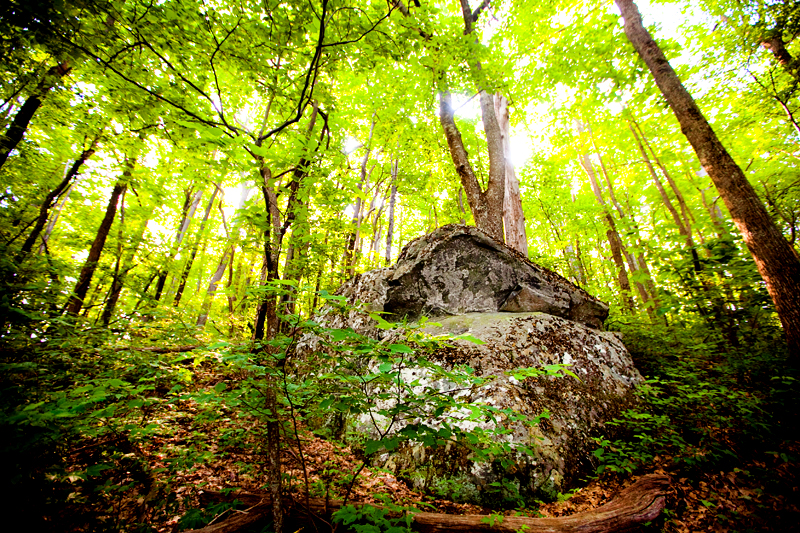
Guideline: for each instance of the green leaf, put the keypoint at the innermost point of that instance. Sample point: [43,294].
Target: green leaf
[400,348]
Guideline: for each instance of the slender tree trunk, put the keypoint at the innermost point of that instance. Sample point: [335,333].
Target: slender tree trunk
[513,216]
[227,257]
[774,257]
[75,302]
[128,262]
[187,268]
[486,206]
[189,207]
[16,130]
[352,243]
[51,224]
[613,236]
[44,210]
[390,222]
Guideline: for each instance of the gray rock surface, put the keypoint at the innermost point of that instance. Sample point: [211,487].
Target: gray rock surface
[527,317]
[459,269]
[578,409]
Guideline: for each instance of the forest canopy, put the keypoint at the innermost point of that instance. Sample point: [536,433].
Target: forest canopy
[179,175]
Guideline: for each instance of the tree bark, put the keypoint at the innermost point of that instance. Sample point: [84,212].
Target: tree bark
[513,216]
[51,197]
[350,252]
[16,130]
[75,302]
[774,43]
[227,257]
[639,503]
[127,265]
[774,257]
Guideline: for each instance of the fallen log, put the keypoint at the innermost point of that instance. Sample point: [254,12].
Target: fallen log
[639,503]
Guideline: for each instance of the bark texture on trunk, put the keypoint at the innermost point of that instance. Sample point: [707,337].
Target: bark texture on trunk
[486,206]
[774,43]
[16,130]
[227,257]
[774,257]
[75,302]
[513,216]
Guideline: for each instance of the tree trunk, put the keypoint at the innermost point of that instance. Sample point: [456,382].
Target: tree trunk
[390,222]
[75,302]
[190,261]
[774,257]
[16,130]
[227,256]
[486,206]
[774,43]
[350,255]
[44,210]
[128,264]
[614,239]
[189,207]
[487,209]
[513,216]
[56,214]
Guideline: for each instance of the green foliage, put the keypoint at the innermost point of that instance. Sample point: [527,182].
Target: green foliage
[701,408]
[389,518]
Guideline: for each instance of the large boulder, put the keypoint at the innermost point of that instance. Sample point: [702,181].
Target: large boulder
[578,408]
[526,316]
[459,269]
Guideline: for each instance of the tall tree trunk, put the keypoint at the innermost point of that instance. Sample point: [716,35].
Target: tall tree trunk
[390,221]
[51,197]
[774,257]
[637,264]
[686,213]
[128,261]
[187,268]
[189,207]
[16,130]
[486,206]
[352,242]
[56,213]
[513,216]
[227,257]
[75,302]
[614,240]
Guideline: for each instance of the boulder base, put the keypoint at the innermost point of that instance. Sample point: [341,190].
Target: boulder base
[578,408]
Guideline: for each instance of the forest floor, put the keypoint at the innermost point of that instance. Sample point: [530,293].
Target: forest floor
[739,499]
[109,441]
